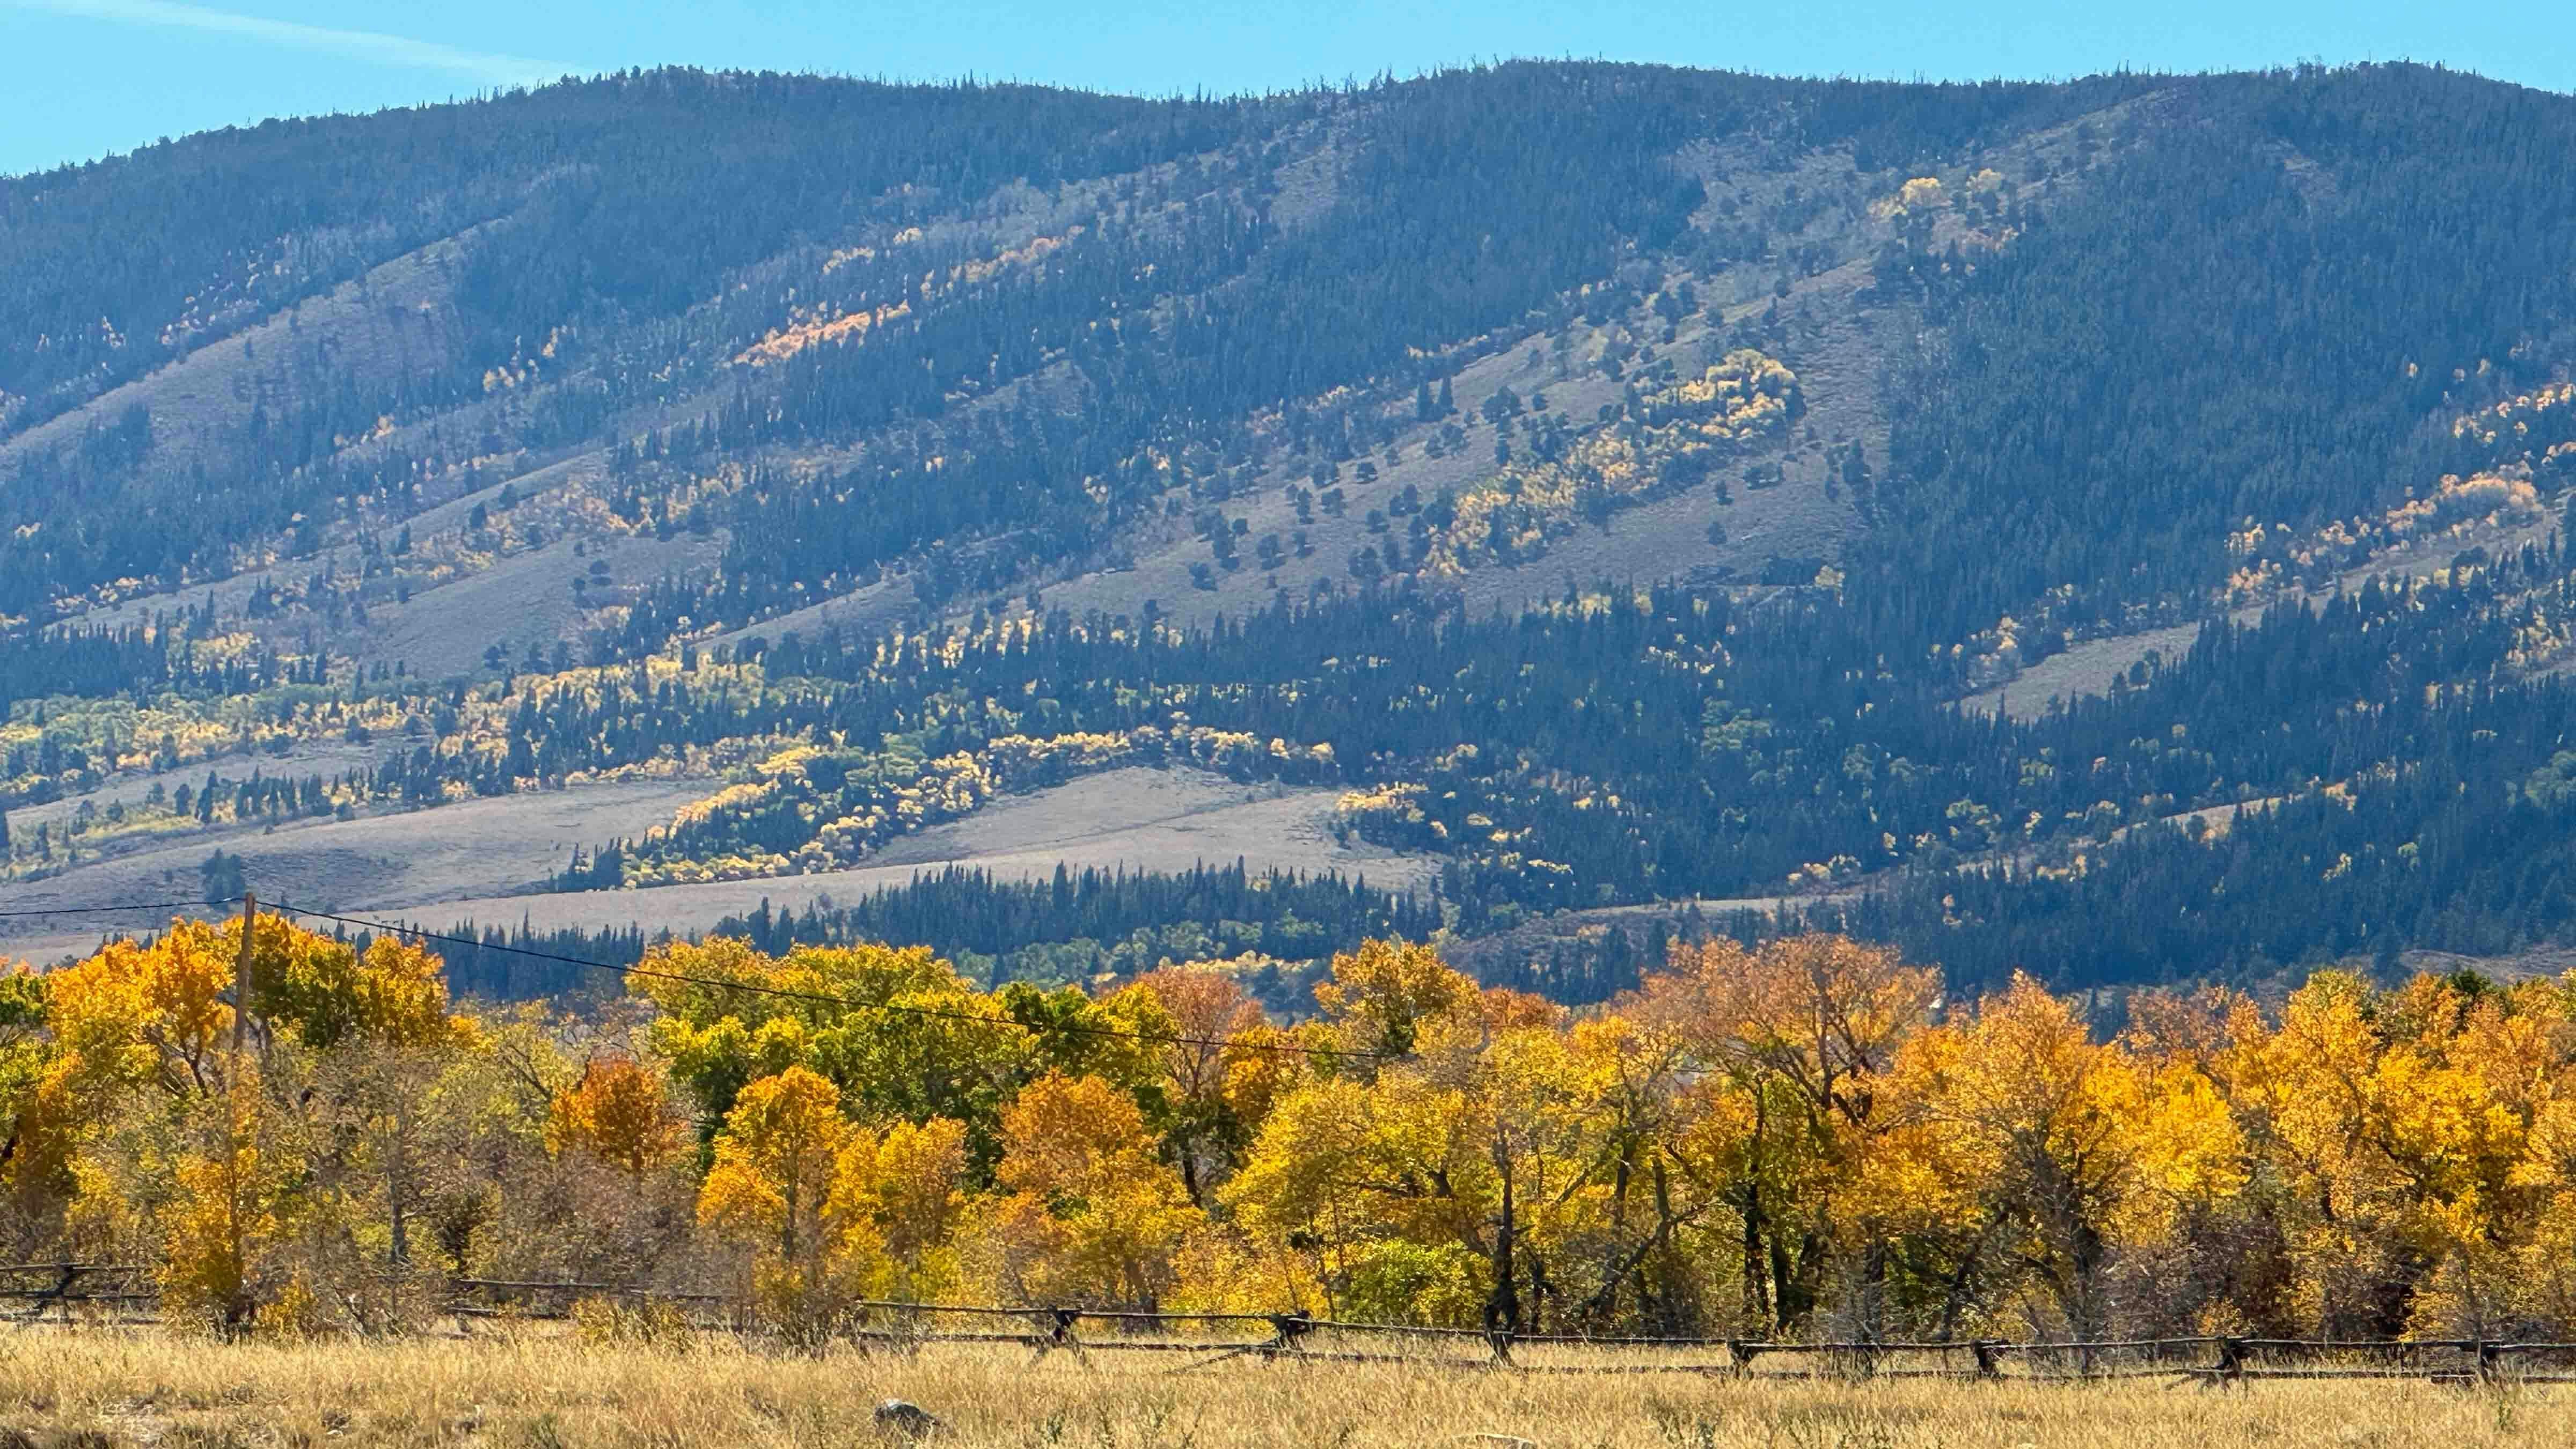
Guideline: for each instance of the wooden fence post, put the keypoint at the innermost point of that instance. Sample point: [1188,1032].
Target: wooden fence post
[1289,1329]
[2230,1369]
[1062,1335]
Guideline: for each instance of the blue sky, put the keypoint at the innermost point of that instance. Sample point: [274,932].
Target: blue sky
[82,78]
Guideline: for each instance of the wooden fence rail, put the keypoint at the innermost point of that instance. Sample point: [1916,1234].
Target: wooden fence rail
[2217,1360]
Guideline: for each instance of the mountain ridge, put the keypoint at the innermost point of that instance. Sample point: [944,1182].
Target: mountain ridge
[726,397]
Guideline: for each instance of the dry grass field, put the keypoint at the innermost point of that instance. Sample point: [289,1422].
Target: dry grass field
[1139,818]
[102,1387]
[476,848]
[485,860]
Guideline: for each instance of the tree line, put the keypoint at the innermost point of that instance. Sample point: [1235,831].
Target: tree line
[1071,927]
[1808,1139]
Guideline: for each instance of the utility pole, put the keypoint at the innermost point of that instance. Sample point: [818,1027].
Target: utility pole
[241,971]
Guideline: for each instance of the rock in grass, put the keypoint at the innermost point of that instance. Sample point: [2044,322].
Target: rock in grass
[912,1421]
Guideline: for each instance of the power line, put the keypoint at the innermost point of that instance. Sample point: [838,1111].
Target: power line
[826,999]
[121,910]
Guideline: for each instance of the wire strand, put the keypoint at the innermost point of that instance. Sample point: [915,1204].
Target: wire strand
[826,999]
[123,910]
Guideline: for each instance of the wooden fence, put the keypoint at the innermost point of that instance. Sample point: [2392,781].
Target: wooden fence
[123,1293]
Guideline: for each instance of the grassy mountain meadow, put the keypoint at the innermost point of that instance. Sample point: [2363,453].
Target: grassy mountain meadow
[2109,529]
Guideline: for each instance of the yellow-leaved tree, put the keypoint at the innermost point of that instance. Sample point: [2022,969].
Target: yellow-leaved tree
[167,1142]
[236,1178]
[897,1202]
[1370,1184]
[770,1191]
[1382,996]
[36,1121]
[2399,1121]
[2060,1149]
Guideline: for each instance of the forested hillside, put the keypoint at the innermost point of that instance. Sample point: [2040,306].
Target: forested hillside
[1602,506]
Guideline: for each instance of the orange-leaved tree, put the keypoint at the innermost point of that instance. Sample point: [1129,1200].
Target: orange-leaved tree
[1090,1212]
[620,1113]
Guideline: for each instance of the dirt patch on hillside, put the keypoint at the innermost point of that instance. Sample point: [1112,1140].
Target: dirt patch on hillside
[325,758]
[2087,669]
[1136,819]
[477,848]
[1551,938]
[522,599]
[875,609]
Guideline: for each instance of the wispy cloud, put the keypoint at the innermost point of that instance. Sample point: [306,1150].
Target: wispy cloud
[355,44]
